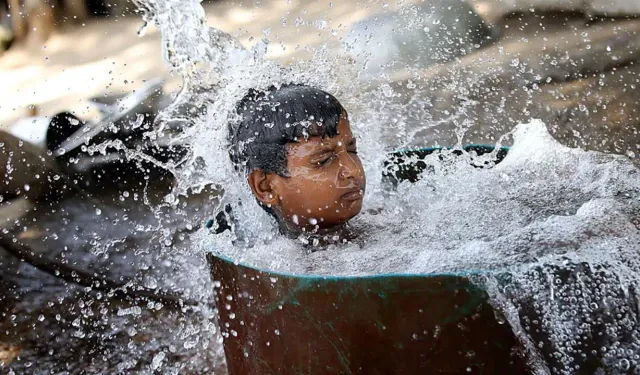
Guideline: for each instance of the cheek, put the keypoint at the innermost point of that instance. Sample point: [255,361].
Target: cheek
[326,177]
[318,180]
[314,191]
[360,167]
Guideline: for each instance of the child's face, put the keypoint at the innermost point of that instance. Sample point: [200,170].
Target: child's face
[326,181]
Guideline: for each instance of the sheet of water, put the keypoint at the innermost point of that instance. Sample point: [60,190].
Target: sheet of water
[552,233]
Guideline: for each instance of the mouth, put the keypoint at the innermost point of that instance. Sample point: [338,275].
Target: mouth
[354,195]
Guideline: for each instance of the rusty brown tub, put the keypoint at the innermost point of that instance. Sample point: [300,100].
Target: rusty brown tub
[275,323]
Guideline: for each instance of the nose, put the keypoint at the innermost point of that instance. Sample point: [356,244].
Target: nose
[349,166]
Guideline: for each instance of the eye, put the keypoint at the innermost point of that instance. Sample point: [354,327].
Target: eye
[325,161]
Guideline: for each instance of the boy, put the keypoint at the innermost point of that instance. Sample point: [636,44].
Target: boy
[295,145]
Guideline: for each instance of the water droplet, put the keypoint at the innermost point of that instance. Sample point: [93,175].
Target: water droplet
[156,362]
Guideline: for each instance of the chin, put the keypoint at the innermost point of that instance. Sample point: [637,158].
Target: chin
[353,212]
[341,220]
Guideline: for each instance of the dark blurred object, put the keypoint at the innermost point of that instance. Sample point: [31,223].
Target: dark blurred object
[119,142]
[61,127]
[599,8]
[417,36]
[18,27]
[111,8]
[25,170]
[125,118]
[32,18]
[6,32]
[101,8]
[124,142]
[76,10]
[38,19]
[409,165]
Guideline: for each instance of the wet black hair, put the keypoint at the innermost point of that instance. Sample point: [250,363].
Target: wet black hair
[269,119]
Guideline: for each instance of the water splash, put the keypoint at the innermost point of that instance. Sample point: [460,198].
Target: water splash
[553,229]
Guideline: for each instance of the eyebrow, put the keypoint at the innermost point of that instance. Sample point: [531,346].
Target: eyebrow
[325,148]
[322,151]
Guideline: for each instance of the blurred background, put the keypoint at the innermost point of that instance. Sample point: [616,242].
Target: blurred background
[54,54]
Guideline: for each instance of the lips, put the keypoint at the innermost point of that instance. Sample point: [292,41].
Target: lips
[353,195]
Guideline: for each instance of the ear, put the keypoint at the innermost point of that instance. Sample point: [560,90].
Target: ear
[261,186]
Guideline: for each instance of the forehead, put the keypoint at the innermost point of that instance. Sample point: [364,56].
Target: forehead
[315,143]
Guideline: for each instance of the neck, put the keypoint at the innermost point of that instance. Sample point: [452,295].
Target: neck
[317,236]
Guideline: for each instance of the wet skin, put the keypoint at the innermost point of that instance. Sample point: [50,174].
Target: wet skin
[325,186]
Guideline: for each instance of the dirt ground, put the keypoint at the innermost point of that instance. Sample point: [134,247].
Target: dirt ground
[105,56]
